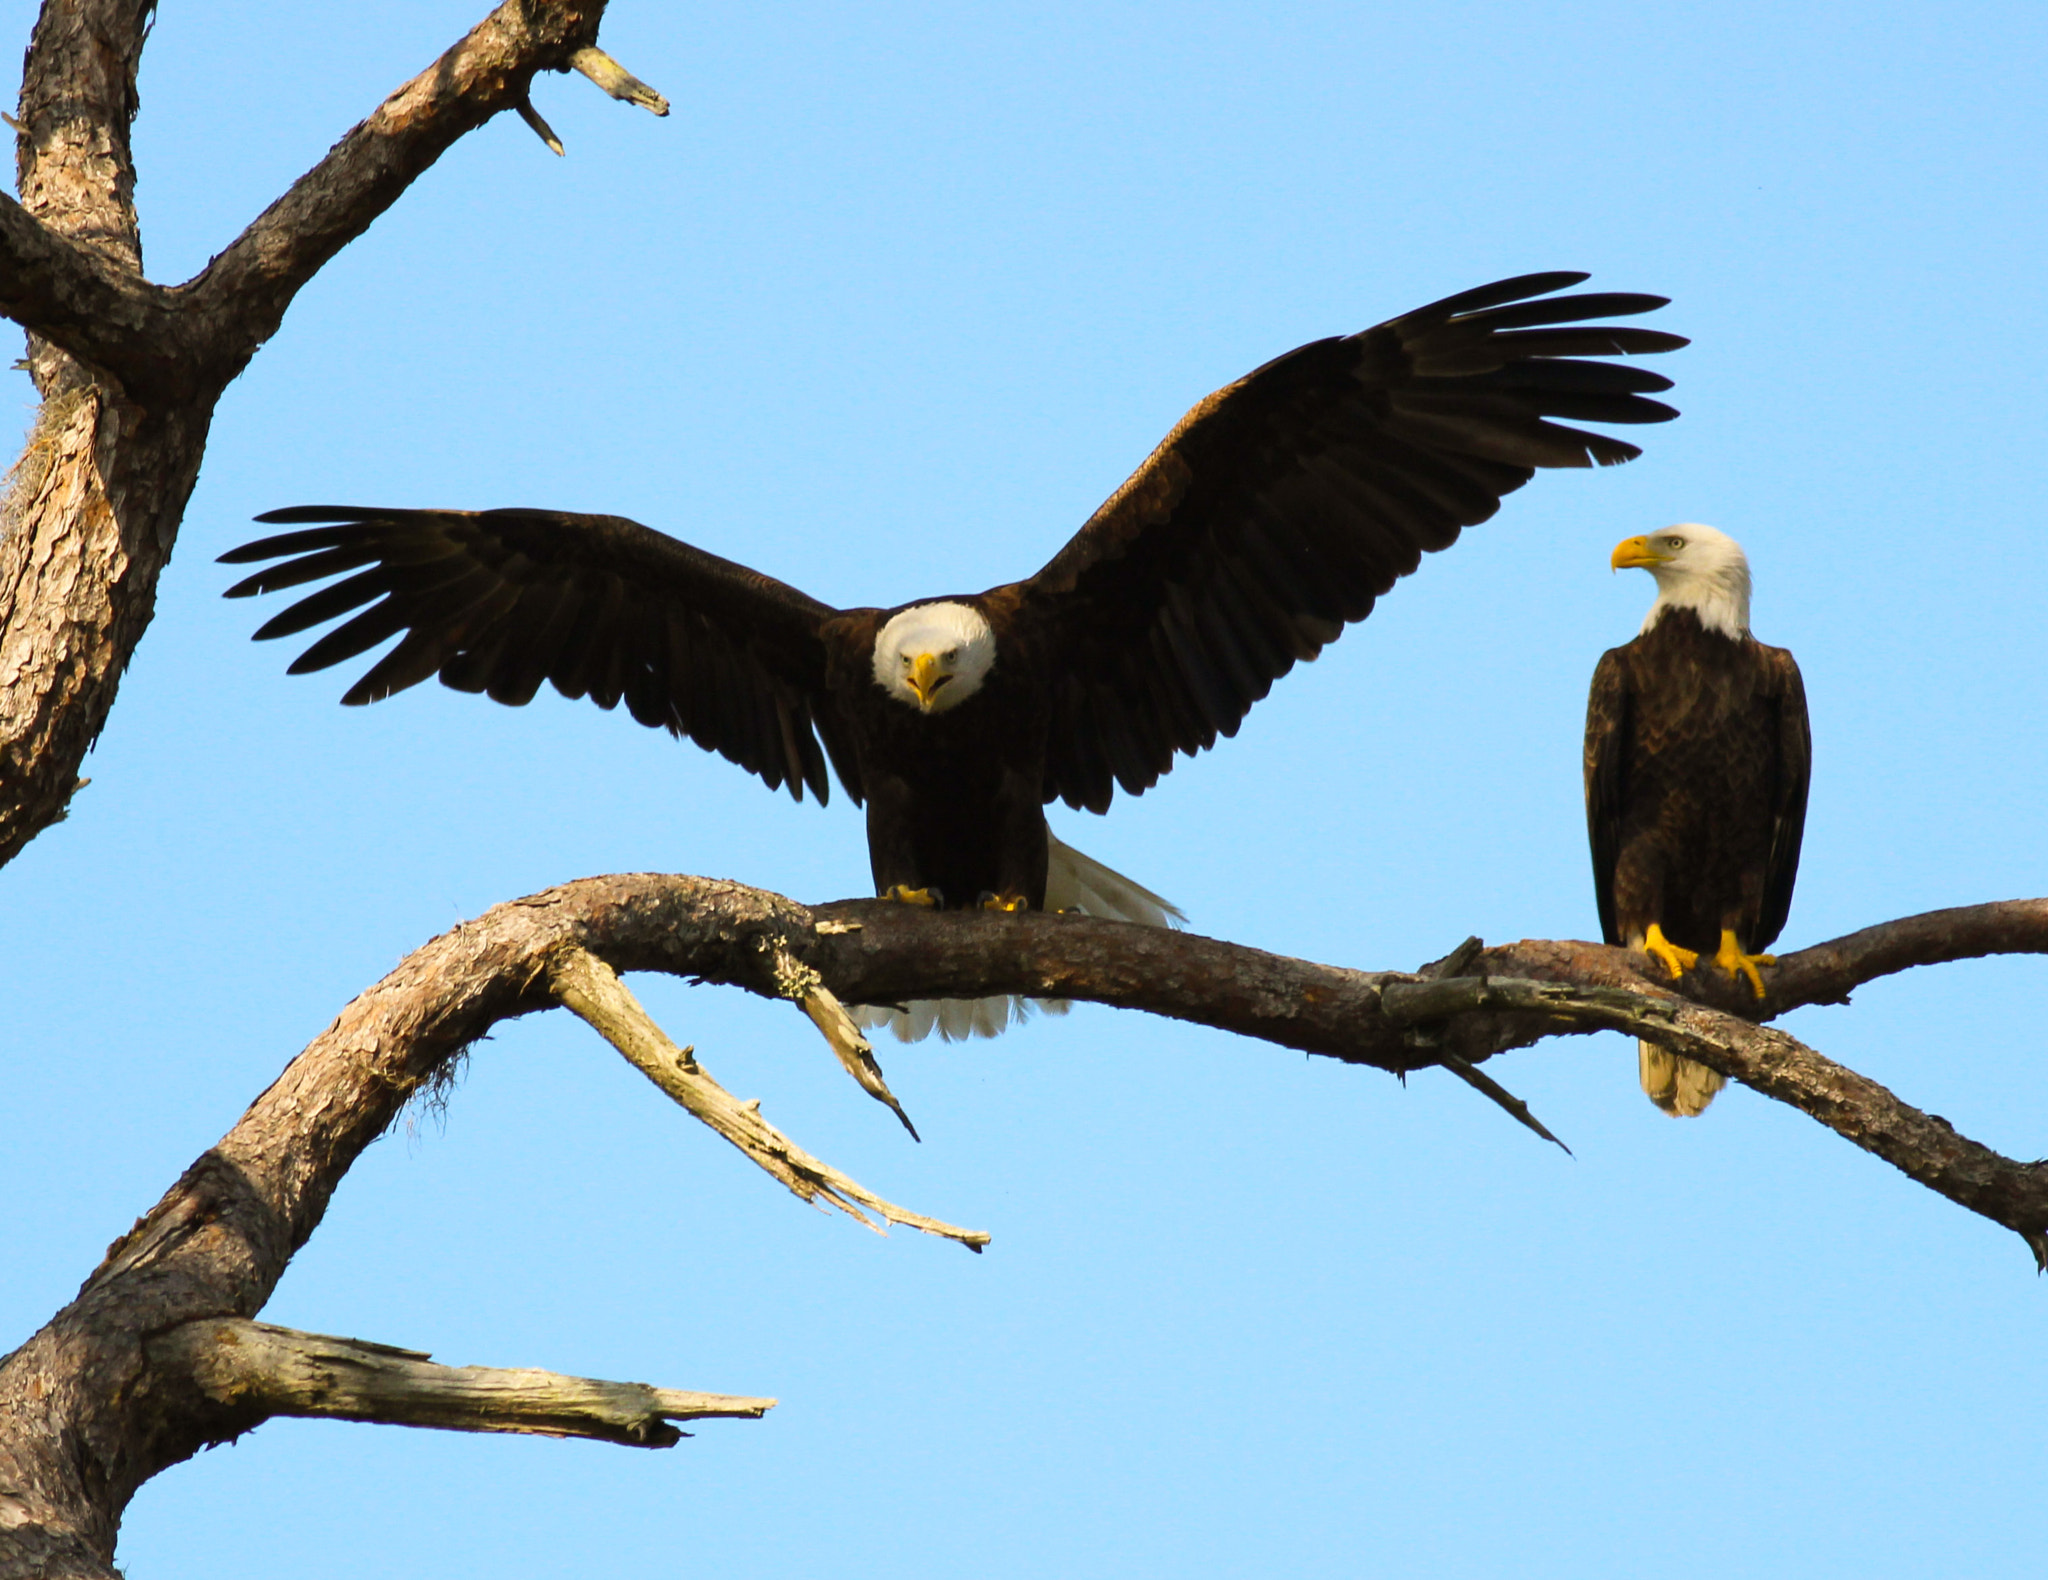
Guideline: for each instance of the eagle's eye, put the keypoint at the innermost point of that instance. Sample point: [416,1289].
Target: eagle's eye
[952,654]
[1674,543]
[906,660]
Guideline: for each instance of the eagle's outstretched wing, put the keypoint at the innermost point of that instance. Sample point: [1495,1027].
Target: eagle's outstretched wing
[1283,505]
[497,601]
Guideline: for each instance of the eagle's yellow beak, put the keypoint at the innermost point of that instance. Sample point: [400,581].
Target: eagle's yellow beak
[1635,554]
[925,679]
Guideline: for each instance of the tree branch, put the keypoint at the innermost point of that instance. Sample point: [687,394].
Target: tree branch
[189,342]
[71,295]
[1923,1146]
[86,1415]
[248,1372]
[1452,965]
[77,577]
[856,1055]
[73,247]
[1826,973]
[74,167]
[620,83]
[241,296]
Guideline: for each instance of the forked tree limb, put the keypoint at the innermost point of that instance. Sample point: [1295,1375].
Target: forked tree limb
[71,295]
[242,295]
[1826,973]
[187,342]
[86,1413]
[130,371]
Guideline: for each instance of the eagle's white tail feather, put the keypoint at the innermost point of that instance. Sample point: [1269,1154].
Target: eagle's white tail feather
[1073,882]
[1680,1086]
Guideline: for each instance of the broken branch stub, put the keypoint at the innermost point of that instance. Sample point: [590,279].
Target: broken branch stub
[620,83]
[255,1370]
[798,982]
[1455,964]
[541,129]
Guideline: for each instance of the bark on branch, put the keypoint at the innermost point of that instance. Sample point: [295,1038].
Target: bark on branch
[88,1411]
[74,297]
[247,1372]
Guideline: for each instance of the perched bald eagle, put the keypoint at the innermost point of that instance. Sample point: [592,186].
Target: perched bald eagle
[1277,511]
[1697,759]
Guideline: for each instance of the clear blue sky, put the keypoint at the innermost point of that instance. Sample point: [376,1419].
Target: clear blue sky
[886,307]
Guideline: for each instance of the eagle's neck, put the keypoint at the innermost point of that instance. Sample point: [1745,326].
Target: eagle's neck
[1718,596]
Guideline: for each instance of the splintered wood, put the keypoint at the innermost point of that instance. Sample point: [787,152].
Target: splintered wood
[587,986]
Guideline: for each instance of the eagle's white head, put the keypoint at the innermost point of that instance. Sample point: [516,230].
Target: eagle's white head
[1697,568]
[934,656]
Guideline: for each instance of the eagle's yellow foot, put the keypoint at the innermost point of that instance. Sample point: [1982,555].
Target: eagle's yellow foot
[904,894]
[1667,954]
[1732,960]
[1004,902]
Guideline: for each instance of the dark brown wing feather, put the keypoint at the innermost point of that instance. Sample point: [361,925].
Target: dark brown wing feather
[1607,752]
[1793,772]
[496,601]
[1282,506]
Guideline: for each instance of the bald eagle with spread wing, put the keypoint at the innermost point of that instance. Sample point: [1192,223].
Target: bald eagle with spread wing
[1697,759]
[1274,514]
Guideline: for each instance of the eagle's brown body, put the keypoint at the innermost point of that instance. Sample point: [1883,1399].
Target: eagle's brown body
[1696,756]
[955,800]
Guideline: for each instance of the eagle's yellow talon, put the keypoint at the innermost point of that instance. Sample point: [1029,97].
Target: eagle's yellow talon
[1003,902]
[904,894]
[1675,960]
[1730,958]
